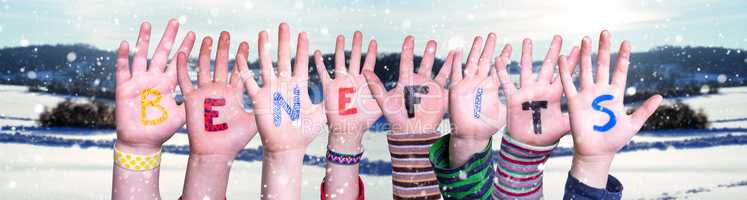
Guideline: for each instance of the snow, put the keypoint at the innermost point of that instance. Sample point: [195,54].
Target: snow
[728,104]
[645,174]
[40,172]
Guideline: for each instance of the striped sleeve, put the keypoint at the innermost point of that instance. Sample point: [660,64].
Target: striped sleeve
[473,180]
[412,173]
[520,169]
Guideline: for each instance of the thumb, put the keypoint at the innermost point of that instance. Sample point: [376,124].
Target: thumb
[639,117]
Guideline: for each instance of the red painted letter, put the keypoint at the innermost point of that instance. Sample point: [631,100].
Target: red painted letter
[210,114]
[343,101]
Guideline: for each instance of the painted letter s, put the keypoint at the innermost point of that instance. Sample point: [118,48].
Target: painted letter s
[595,105]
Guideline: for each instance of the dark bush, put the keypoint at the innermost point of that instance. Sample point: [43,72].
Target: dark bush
[89,114]
[676,116]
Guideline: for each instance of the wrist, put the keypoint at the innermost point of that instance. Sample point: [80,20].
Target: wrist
[592,170]
[284,155]
[207,176]
[413,127]
[467,139]
[207,159]
[463,148]
[345,142]
[137,148]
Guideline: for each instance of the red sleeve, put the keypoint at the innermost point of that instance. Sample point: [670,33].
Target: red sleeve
[361,190]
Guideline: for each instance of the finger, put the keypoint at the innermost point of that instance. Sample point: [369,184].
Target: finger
[456,67]
[586,80]
[370,56]
[182,74]
[639,117]
[474,52]
[301,67]
[603,59]
[284,67]
[429,55]
[242,52]
[186,48]
[493,76]
[238,85]
[525,67]
[203,65]
[566,80]
[487,55]
[355,55]
[264,58]
[406,57]
[180,114]
[340,56]
[374,84]
[565,127]
[321,69]
[140,61]
[571,61]
[123,63]
[247,76]
[620,76]
[501,67]
[445,70]
[164,46]
[551,59]
[221,58]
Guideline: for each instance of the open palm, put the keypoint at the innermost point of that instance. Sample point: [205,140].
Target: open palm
[534,111]
[146,111]
[431,97]
[230,128]
[349,105]
[604,130]
[286,118]
[475,110]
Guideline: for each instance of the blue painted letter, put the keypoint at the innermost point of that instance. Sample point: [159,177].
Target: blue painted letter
[279,102]
[478,103]
[595,105]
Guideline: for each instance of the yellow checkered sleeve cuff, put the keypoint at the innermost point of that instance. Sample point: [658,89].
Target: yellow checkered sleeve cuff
[137,162]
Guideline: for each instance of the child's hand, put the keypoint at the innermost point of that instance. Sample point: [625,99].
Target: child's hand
[216,119]
[350,107]
[599,123]
[534,111]
[146,112]
[286,118]
[418,102]
[475,111]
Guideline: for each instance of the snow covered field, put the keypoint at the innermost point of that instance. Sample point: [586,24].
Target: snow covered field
[42,172]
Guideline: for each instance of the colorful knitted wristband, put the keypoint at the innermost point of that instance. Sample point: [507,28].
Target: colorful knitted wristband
[412,173]
[343,158]
[137,162]
[473,180]
[520,169]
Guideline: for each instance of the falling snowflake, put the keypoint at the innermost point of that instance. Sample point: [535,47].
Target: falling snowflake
[406,24]
[24,42]
[31,75]
[324,31]
[38,108]
[631,91]
[71,56]
[721,78]
[248,5]
[455,42]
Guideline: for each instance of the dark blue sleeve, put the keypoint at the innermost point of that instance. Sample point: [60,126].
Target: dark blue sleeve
[574,189]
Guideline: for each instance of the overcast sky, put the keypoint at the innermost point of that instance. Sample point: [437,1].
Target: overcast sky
[646,23]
